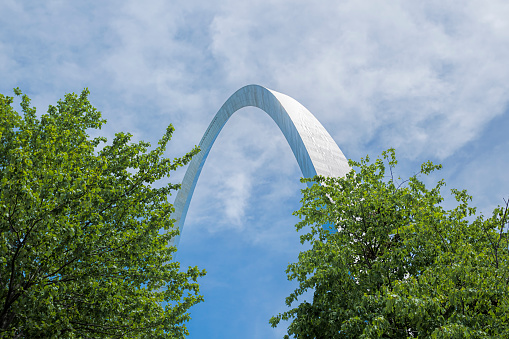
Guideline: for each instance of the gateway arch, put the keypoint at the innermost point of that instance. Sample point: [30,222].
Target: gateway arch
[313,147]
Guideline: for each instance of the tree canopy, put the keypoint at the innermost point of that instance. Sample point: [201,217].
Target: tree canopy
[84,232]
[392,262]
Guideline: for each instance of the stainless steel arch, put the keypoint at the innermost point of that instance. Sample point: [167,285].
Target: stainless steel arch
[313,147]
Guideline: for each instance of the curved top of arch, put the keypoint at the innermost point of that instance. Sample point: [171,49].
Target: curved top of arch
[314,149]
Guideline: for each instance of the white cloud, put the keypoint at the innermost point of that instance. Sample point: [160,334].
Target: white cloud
[434,72]
[424,77]
[249,157]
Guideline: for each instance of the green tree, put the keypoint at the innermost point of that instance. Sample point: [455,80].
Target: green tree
[84,233]
[396,263]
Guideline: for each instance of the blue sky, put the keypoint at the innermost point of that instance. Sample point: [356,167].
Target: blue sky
[429,78]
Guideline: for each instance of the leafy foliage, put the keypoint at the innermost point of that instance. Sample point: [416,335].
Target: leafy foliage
[396,263]
[84,234]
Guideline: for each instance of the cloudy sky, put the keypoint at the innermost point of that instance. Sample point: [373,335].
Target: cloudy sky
[429,78]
